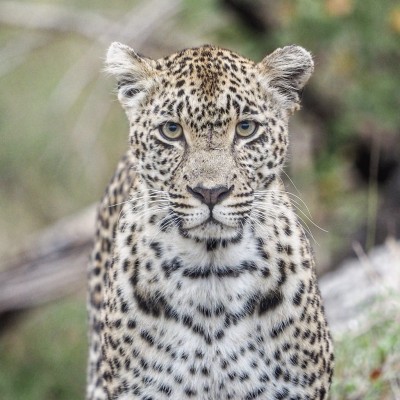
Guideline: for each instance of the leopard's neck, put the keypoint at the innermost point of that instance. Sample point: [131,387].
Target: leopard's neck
[162,273]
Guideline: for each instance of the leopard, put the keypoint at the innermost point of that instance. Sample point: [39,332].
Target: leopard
[202,280]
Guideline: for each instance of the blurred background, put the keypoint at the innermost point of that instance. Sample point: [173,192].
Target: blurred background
[62,132]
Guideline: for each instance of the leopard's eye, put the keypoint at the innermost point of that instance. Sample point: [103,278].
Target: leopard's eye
[171,130]
[246,128]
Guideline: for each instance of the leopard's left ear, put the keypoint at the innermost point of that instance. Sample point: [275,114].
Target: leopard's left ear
[285,72]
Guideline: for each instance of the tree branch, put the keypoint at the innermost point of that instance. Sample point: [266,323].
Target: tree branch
[51,266]
[54,18]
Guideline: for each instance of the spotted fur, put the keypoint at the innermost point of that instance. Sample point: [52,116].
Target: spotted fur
[202,282]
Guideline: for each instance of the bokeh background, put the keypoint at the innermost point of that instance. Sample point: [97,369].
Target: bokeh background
[62,133]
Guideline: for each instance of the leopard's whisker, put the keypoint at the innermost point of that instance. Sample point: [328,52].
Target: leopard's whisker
[130,201]
[296,205]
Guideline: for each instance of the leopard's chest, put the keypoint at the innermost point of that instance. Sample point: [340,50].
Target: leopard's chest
[174,361]
[207,354]
[186,321]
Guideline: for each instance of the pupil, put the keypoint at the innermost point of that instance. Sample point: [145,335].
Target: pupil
[245,125]
[172,127]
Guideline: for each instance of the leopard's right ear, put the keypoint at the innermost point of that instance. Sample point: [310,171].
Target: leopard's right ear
[134,73]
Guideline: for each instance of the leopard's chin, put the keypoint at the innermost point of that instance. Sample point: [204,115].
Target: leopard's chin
[213,230]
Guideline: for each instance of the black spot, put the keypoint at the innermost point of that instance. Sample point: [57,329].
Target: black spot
[205,371]
[190,392]
[278,372]
[248,266]
[198,329]
[178,379]
[128,339]
[147,337]
[279,248]
[165,389]
[299,294]
[170,312]
[287,231]
[125,265]
[171,266]
[197,272]
[228,272]
[187,320]
[131,324]
[286,346]
[149,305]
[124,307]
[129,240]
[282,271]
[97,271]
[279,328]
[134,279]
[265,272]
[270,302]
[199,354]
[156,247]
[144,364]
[212,244]
[204,310]
[219,334]
[282,394]
[244,377]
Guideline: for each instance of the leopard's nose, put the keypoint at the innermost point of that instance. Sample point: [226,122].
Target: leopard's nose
[210,196]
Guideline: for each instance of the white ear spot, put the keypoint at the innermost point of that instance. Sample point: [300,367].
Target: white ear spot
[135,75]
[285,72]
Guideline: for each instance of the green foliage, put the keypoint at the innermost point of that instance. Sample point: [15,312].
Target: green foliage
[44,358]
[357,55]
[50,165]
[368,363]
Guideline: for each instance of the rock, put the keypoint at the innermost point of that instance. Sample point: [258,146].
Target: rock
[351,290]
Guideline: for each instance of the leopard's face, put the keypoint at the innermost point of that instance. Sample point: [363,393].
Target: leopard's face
[209,128]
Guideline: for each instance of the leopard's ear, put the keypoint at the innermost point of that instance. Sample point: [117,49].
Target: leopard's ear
[134,73]
[285,72]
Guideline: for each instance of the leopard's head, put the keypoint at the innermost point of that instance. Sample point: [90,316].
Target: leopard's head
[209,128]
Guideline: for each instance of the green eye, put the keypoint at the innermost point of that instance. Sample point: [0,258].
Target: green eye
[171,130]
[246,128]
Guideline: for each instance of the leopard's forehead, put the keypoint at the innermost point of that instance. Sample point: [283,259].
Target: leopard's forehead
[208,86]
[206,63]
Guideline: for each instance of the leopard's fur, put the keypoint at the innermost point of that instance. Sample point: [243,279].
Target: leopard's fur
[183,305]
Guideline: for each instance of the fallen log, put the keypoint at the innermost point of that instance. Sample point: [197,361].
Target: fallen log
[51,266]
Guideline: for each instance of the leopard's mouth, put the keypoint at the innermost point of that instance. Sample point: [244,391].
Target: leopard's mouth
[212,229]
[209,224]
[212,220]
